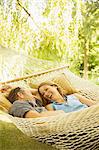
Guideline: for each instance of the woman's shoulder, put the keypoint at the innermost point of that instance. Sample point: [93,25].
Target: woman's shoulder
[72,98]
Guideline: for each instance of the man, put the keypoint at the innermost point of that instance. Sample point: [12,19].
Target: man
[26,105]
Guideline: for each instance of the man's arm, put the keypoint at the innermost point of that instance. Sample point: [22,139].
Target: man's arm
[49,107]
[35,114]
[85,100]
[24,110]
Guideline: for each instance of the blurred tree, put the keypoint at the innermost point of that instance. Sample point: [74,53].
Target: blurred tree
[62,31]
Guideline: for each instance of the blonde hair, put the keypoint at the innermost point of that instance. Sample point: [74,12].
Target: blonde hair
[50,83]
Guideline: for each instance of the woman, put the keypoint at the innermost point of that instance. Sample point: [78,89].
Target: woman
[54,99]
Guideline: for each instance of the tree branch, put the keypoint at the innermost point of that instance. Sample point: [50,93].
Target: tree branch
[24,9]
[30,16]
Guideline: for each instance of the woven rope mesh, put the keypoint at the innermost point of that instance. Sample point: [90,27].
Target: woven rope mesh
[15,64]
[72,131]
[88,89]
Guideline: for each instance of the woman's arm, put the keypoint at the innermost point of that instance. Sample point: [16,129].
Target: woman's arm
[85,100]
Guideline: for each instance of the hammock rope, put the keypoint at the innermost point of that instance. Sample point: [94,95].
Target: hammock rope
[21,64]
[34,75]
[71,131]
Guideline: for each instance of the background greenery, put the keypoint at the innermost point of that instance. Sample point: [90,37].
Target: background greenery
[62,31]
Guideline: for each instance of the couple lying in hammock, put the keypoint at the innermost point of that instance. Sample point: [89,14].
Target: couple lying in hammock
[47,100]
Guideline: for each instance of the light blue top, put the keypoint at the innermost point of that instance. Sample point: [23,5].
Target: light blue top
[72,104]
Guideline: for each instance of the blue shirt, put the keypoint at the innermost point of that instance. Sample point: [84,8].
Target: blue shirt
[72,104]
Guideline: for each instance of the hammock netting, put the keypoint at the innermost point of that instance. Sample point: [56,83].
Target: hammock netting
[71,131]
[16,64]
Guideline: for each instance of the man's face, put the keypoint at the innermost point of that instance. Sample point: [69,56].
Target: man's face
[26,95]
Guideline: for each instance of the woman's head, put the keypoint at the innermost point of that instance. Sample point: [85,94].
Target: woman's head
[49,91]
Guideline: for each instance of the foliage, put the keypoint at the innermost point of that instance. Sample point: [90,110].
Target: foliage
[55,30]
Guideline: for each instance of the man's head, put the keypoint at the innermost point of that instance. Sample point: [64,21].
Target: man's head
[19,93]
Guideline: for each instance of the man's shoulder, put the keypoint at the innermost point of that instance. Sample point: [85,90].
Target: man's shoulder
[20,108]
[38,102]
[19,102]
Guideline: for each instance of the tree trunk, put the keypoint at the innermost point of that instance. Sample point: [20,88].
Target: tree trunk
[86,53]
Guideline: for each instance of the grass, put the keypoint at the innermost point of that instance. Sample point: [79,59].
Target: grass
[13,139]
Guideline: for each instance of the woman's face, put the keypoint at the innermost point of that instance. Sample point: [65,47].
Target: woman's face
[49,92]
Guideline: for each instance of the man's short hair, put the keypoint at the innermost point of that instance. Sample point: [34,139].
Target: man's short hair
[13,95]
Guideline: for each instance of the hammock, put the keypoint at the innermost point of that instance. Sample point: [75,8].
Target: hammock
[71,131]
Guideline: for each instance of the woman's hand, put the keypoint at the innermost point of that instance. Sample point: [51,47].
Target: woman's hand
[85,100]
